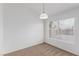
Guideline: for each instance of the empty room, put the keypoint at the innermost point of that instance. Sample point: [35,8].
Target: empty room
[39,29]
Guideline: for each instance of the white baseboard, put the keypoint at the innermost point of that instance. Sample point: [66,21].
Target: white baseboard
[73,52]
[35,43]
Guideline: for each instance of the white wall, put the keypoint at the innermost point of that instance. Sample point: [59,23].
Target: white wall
[1,28]
[74,47]
[22,28]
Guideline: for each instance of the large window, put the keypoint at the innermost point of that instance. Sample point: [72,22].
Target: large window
[66,26]
[61,27]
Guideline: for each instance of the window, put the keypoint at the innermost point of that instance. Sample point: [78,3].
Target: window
[61,27]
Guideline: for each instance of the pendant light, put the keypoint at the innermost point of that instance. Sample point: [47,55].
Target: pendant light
[43,14]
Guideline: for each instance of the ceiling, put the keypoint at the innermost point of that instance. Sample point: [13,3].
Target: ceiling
[51,8]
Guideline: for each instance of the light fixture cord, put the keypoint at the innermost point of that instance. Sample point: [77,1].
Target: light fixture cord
[43,5]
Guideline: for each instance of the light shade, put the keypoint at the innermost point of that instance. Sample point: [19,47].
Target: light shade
[43,16]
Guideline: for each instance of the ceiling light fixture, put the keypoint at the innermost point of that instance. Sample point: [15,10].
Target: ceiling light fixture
[43,14]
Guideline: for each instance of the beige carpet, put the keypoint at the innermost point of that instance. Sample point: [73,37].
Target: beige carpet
[40,50]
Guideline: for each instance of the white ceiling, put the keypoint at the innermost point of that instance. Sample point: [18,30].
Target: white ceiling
[51,8]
